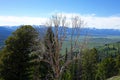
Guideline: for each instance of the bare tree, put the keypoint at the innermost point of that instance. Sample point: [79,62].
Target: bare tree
[59,22]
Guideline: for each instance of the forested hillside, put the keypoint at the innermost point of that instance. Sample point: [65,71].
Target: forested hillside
[112,49]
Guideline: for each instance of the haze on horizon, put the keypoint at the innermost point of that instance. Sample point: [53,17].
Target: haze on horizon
[96,13]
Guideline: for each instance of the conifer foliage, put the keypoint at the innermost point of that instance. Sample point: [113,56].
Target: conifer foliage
[16,62]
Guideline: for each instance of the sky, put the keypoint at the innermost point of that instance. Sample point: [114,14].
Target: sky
[96,13]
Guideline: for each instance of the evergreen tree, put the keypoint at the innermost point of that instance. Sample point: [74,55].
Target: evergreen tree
[45,68]
[118,64]
[89,64]
[106,69]
[49,42]
[16,61]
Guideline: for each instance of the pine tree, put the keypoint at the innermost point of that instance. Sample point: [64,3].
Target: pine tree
[106,69]
[118,64]
[45,68]
[16,62]
[49,42]
[89,64]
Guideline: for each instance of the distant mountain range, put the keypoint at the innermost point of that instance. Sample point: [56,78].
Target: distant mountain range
[97,32]
[6,31]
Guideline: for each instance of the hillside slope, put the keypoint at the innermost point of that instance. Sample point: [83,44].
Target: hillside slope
[111,49]
[114,78]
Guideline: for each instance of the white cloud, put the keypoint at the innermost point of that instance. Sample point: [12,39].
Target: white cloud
[14,20]
[110,22]
[103,22]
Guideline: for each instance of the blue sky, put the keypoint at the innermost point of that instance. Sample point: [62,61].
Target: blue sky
[104,9]
[44,7]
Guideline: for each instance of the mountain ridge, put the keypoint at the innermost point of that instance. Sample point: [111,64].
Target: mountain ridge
[6,31]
